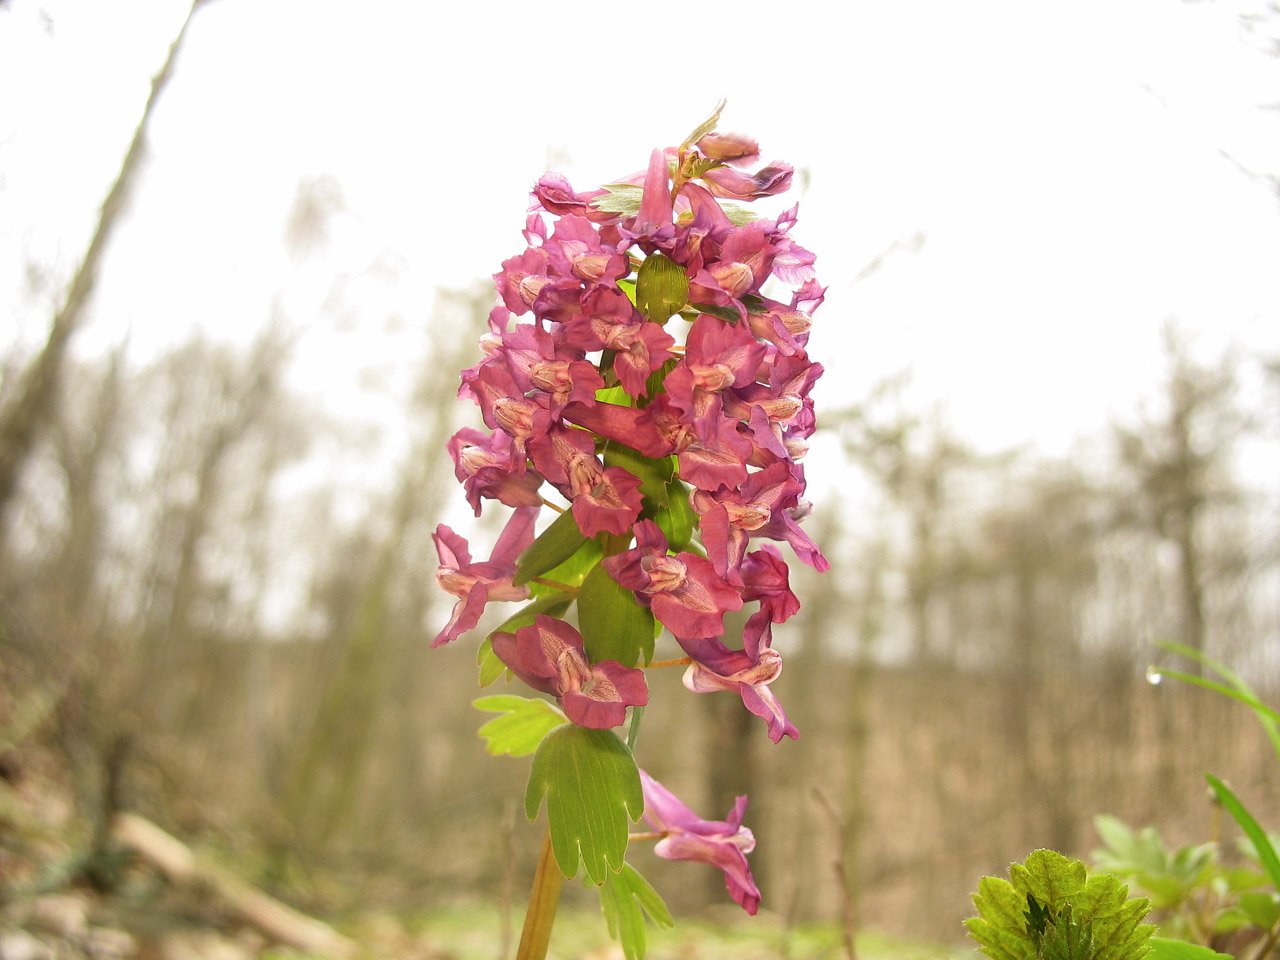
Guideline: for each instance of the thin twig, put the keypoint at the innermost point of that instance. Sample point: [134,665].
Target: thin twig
[842,874]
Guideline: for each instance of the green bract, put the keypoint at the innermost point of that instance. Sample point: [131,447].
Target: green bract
[613,624]
[554,546]
[593,796]
[662,288]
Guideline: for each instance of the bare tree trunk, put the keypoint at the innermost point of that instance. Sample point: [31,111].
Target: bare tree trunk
[37,396]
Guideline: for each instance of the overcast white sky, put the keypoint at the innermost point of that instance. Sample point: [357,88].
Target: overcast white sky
[1064,163]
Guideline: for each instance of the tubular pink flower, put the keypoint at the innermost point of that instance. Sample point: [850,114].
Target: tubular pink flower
[716,667]
[734,148]
[656,209]
[548,655]
[722,843]
[475,584]
[684,591]
[487,467]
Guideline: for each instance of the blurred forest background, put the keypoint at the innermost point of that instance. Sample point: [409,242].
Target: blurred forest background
[201,622]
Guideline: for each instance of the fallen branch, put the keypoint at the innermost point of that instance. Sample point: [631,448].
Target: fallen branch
[181,866]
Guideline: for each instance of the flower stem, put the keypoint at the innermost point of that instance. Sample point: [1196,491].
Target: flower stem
[548,503]
[543,900]
[678,662]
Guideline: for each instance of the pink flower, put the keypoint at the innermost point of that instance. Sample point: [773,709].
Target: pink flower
[722,843]
[475,584]
[487,468]
[716,667]
[548,656]
[684,591]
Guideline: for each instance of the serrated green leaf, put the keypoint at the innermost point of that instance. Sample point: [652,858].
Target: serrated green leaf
[592,788]
[1163,949]
[1049,877]
[1261,842]
[1052,908]
[524,723]
[613,624]
[625,898]
[554,545]
[662,288]
[1067,939]
[491,668]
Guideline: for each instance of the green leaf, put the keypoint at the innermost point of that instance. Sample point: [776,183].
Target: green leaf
[662,288]
[675,518]
[521,728]
[623,198]
[727,314]
[739,216]
[1162,949]
[554,545]
[593,795]
[491,668]
[613,624]
[1067,939]
[652,474]
[1261,843]
[618,396]
[1236,688]
[706,126]
[1262,908]
[1051,908]
[571,573]
[626,897]
[1048,876]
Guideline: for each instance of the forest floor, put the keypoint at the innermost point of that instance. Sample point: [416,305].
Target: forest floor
[165,925]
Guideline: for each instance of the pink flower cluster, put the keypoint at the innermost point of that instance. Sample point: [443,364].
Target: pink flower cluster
[577,357]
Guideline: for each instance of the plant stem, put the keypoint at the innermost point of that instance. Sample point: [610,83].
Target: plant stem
[543,900]
[678,662]
[1268,944]
[555,585]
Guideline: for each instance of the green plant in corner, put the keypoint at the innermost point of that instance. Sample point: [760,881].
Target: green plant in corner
[1261,908]
[1051,909]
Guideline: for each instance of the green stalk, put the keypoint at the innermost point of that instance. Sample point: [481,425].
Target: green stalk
[543,900]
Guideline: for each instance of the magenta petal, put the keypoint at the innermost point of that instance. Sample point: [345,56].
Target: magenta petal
[655,206]
[722,843]
[466,614]
[602,703]
[516,536]
[611,506]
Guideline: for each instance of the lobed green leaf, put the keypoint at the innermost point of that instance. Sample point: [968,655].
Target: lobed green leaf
[592,789]
[524,723]
[625,898]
